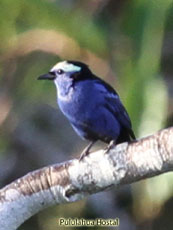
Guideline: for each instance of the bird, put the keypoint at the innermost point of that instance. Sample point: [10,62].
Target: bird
[91,105]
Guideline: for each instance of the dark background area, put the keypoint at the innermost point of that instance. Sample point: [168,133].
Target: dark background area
[130,45]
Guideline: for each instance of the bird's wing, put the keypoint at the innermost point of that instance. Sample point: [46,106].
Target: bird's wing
[114,105]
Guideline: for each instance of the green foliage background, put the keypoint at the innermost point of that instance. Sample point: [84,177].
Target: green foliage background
[129,44]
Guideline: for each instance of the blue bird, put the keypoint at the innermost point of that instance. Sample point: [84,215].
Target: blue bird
[91,105]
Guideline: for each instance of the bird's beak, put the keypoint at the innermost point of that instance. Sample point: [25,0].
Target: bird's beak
[48,76]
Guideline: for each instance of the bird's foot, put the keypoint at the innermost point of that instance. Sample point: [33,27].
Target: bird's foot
[110,146]
[86,151]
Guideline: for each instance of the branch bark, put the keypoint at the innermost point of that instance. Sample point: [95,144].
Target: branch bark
[73,180]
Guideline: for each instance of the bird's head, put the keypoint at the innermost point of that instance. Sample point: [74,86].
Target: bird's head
[65,70]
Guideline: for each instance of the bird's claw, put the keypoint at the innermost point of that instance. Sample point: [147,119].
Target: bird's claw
[83,154]
[110,146]
[86,151]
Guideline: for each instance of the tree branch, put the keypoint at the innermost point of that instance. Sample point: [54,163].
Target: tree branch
[73,180]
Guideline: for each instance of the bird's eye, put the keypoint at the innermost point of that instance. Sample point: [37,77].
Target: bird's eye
[60,71]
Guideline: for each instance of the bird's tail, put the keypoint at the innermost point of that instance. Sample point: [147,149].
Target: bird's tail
[125,135]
